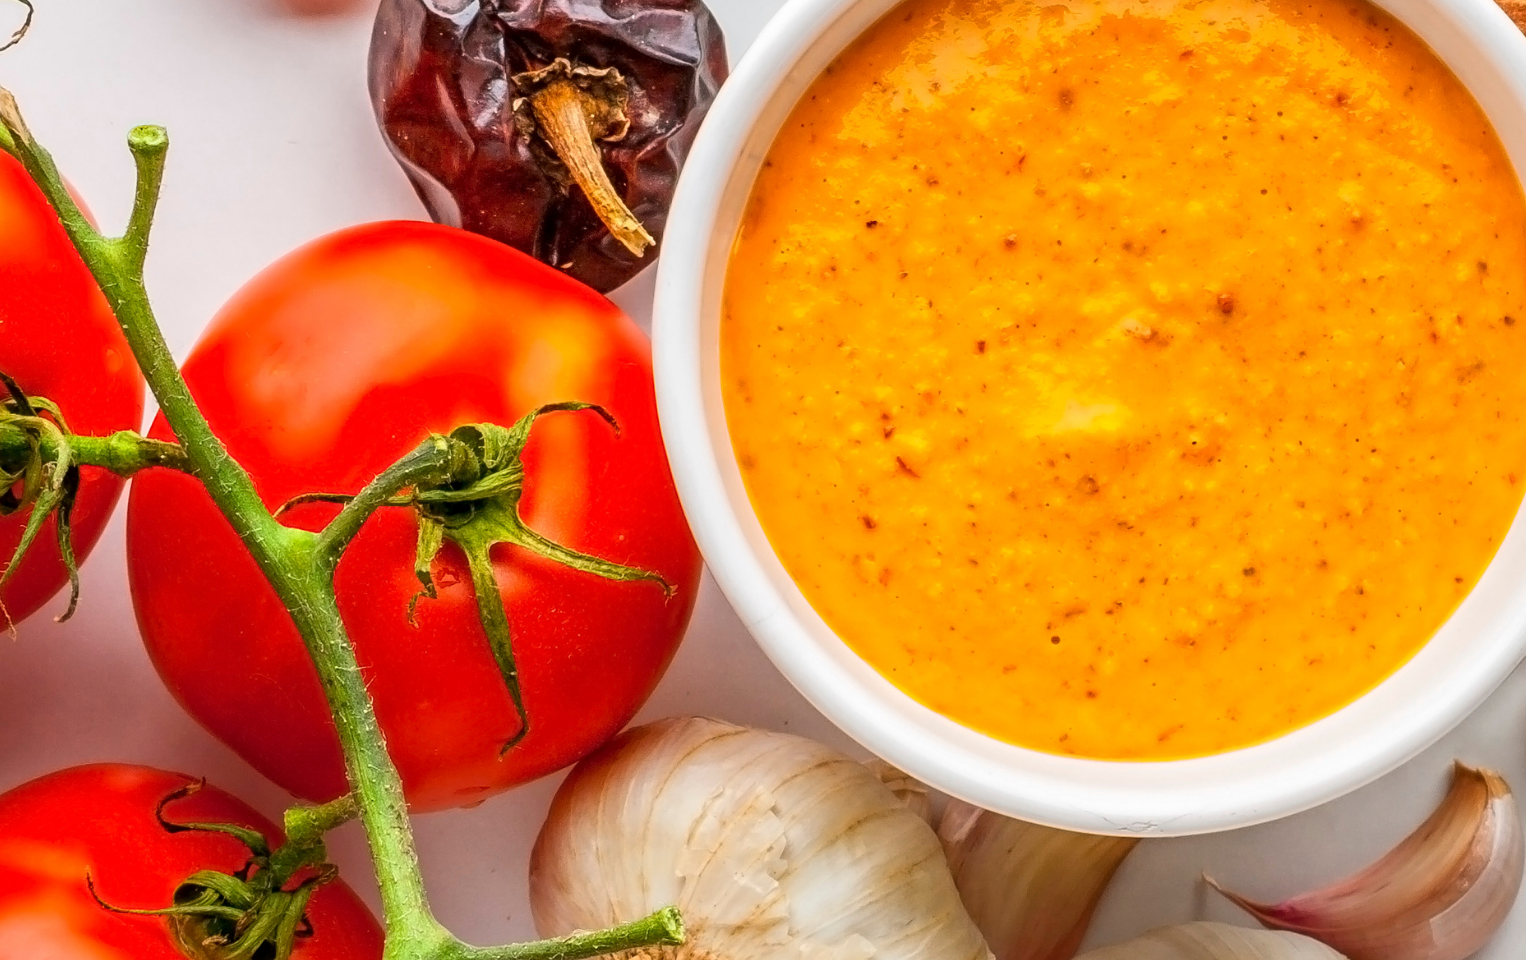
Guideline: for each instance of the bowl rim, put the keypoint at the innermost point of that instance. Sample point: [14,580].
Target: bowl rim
[1472,653]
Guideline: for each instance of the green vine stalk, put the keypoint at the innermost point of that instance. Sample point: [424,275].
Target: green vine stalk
[299,564]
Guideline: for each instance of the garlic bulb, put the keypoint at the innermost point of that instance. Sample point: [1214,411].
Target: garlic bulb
[772,846]
[1030,889]
[1439,895]
[907,789]
[1214,941]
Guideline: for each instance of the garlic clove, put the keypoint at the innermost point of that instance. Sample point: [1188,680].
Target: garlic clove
[908,789]
[1439,895]
[1030,889]
[772,846]
[1214,941]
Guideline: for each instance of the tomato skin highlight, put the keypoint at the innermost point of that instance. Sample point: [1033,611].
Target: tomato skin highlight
[58,339]
[99,820]
[320,373]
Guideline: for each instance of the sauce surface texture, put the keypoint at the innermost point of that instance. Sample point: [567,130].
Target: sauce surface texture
[1132,380]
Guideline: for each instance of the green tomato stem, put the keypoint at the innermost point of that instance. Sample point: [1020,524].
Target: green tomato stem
[663,928]
[428,460]
[305,827]
[149,145]
[378,789]
[123,453]
[117,265]
[308,823]
[301,576]
[300,565]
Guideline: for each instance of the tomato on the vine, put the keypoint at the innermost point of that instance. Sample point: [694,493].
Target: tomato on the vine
[59,340]
[99,822]
[324,370]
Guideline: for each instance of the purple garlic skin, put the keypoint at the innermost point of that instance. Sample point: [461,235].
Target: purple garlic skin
[442,84]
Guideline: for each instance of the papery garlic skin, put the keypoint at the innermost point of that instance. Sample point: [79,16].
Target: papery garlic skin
[772,847]
[1439,895]
[1214,941]
[907,789]
[1030,889]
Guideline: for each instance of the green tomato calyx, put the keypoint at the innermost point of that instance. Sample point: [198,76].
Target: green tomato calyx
[258,912]
[470,497]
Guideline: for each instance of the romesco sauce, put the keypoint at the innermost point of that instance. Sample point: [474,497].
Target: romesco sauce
[1132,379]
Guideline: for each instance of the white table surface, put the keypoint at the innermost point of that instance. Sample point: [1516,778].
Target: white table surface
[274,144]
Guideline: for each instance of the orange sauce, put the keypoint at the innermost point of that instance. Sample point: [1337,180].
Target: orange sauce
[1133,380]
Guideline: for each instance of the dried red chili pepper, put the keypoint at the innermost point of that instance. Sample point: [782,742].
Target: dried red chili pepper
[509,115]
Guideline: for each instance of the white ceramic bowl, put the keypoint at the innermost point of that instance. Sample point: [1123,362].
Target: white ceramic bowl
[1471,654]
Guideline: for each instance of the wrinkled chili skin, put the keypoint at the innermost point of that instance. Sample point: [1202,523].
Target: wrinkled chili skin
[441,84]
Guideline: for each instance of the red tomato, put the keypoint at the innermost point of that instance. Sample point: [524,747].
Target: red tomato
[58,340]
[320,373]
[99,820]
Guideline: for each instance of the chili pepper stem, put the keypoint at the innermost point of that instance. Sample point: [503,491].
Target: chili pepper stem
[26,24]
[299,564]
[561,118]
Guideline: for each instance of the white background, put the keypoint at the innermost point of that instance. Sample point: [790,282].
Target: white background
[274,144]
